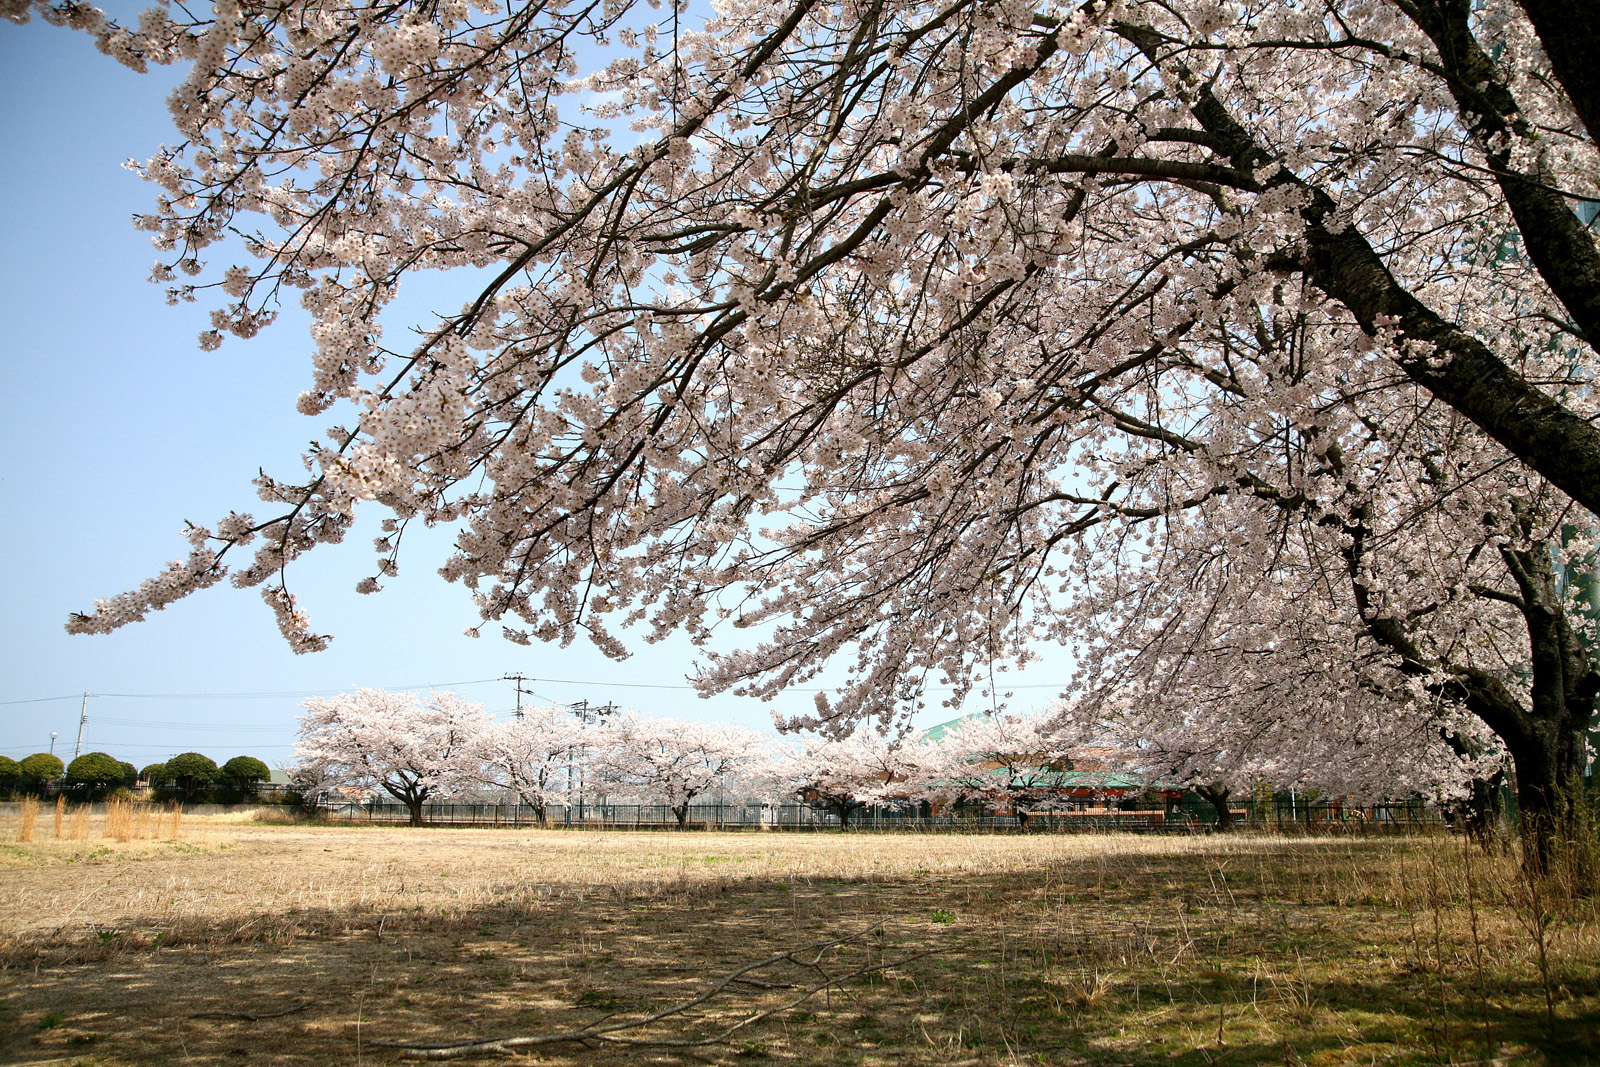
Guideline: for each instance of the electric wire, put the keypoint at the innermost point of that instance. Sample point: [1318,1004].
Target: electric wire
[440,685]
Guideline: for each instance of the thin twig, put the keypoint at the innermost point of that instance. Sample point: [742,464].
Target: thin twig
[764,985]
[252,1016]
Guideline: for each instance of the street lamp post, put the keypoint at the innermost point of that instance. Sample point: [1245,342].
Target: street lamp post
[52,742]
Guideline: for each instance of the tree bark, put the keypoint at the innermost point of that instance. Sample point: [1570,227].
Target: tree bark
[1545,737]
[1459,369]
[412,796]
[1558,245]
[1569,30]
[1217,795]
[844,808]
[1481,813]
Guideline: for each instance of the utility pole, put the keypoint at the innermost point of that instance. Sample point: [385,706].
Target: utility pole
[519,679]
[83,717]
[586,715]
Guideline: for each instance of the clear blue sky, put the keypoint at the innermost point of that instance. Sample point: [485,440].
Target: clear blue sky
[117,427]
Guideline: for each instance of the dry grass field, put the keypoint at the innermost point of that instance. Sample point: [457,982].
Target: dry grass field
[243,942]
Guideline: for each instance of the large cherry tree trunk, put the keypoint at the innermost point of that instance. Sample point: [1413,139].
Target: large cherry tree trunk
[1217,796]
[413,797]
[1544,732]
[845,808]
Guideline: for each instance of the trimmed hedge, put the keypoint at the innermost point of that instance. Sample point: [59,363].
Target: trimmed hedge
[40,769]
[97,771]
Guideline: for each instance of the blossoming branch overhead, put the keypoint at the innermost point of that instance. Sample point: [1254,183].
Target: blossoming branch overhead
[1246,347]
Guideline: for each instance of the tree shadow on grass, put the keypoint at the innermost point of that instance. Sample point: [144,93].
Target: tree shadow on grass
[1147,961]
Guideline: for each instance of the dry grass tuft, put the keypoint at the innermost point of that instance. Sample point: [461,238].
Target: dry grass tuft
[119,820]
[78,823]
[27,818]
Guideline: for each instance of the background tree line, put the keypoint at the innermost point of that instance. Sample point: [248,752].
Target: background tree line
[189,777]
[419,750]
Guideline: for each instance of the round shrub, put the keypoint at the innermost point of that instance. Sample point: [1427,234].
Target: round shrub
[155,774]
[95,771]
[192,772]
[244,773]
[39,768]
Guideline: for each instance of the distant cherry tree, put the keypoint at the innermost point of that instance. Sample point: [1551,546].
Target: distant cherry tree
[414,749]
[534,755]
[1004,758]
[675,762]
[842,775]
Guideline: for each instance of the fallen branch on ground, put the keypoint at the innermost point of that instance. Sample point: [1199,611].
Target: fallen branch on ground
[808,958]
[251,1016]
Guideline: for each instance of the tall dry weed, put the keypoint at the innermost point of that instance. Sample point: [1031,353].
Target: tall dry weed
[61,814]
[175,818]
[78,825]
[119,820]
[1497,920]
[27,818]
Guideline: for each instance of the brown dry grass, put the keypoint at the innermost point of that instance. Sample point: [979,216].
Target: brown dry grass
[27,819]
[1039,949]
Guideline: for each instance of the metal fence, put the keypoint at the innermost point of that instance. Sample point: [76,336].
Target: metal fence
[1399,816]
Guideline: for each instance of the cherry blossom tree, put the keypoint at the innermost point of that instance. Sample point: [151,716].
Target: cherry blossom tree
[842,775]
[1392,617]
[906,328]
[532,755]
[673,761]
[413,749]
[1003,758]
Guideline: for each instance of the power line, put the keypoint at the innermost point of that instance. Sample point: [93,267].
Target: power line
[246,696]
[159,748]
[289,692]
[440,685]
[161,724]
